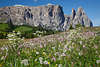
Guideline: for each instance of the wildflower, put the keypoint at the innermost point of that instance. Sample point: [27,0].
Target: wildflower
[48,62]
[80,53]
[25,62]
[10,39]
[53,48]
[65,46]
[0,65]
[59,65]
[45,62]
[41,60]
[2,48]
[34,33]
[95,46]
[44,53]
[18,33]
[97,52]
[83,46]
[2,58]
[41,46]
[37,52]
[54,59]
[63,54]
[98,61]
[57,53]
[18,52]
[56,65]
[35,60]
[80,42]
[64,50]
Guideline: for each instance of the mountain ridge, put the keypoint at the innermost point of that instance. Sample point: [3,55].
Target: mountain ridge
[47,16]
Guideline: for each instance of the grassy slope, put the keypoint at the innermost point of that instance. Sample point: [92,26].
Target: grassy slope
[52,38]
[94,29]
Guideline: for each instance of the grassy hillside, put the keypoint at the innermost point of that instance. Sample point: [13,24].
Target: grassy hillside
[56,35]
[73,48]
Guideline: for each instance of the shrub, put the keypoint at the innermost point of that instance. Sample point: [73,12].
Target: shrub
[4,29]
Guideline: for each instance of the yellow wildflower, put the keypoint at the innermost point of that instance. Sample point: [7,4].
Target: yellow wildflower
[48,62]
[0,65]
[44,53]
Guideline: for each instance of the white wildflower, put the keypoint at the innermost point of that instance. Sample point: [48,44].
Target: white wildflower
[41,60]
[98,61]
[2,58]
[10,39]
[18,33]
[65,46]
[83,46]
[45,62]
[63,54]
[53,48]
[35,60]
[80,42]
[37,52]
[59,65]
[80,53]
[64,50]
[25,62]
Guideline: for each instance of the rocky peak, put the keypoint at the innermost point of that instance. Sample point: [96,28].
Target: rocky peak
[80,11]
[77,17]
[81,18]
[73,13]
[47,16]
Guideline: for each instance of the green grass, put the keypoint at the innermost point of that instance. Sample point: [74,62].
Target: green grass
[3,42]
[93,29]
[24,29]
[4,27]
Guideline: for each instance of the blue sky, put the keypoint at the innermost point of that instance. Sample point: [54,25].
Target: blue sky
[91,7]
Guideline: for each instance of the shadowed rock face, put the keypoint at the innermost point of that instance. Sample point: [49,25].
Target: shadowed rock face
[48,16]
[77,17]
[82,18]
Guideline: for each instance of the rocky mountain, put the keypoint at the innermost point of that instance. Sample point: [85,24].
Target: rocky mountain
[48,16]
[77,17]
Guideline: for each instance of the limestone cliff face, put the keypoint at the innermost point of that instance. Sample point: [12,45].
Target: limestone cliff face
[48,16]
[77,17]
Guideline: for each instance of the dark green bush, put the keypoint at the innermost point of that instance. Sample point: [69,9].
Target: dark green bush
[4,29]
